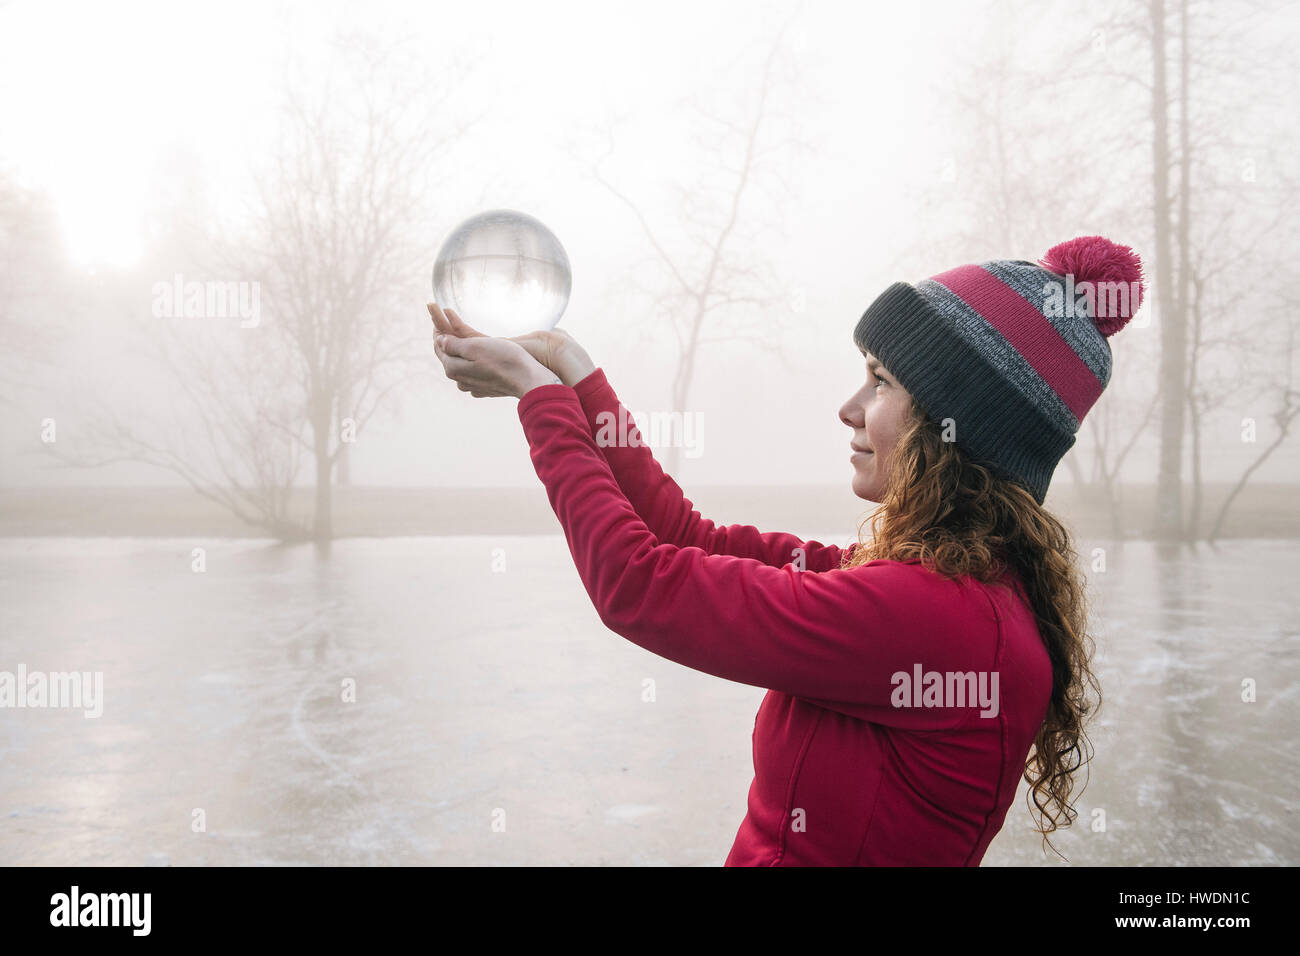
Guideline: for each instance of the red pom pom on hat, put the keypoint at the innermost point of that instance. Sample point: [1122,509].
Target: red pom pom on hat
[1095,259]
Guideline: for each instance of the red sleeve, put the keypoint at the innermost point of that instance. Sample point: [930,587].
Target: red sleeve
[659,500]
[836,638]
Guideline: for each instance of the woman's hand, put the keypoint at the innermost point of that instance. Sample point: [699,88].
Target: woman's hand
[557,350]
[489,367]
[560,352]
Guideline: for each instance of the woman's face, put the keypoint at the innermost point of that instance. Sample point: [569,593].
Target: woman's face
[876,413]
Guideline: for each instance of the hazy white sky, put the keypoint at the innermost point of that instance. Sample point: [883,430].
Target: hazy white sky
[94,95]
[96,99]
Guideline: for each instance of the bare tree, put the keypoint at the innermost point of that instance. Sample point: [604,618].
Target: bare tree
[1229,345]
[1288,405]
[227,436]
[1214,238]
[334,243]
[338,221]
[1169,284]
[1204,237]
[1002,191]
[718,290]
[1114,439]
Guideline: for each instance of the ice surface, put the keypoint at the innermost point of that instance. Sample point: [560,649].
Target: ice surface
[484,695]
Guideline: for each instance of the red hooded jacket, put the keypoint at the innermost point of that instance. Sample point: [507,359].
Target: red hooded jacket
[860,758]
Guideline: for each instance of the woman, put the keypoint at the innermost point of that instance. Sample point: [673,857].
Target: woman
[915,677]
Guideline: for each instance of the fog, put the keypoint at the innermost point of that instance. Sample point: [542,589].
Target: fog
[858,145]
[733,184]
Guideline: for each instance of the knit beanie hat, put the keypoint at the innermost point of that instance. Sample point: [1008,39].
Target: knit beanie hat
[1014,353]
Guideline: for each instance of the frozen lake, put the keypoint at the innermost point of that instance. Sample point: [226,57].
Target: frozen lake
[488,694]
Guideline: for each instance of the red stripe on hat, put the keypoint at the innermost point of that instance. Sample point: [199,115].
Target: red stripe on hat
[1030,333]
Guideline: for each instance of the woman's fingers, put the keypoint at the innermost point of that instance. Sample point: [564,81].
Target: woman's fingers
[440,323]
[452,354]
[459,325]
[485,366]
[458,364]
[449,321]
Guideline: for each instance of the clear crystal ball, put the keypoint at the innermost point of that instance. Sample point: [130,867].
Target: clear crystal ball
[504,273]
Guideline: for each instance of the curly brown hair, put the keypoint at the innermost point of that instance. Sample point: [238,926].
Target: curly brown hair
[958,517]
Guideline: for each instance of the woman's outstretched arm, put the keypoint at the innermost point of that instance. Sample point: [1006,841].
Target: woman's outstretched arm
[654,495]
[839,638]
[663,506]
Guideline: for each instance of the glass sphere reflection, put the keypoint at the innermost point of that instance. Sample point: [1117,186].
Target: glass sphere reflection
[504,273]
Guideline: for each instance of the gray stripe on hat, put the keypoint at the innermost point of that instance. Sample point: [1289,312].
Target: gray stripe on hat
[1078,331]
[998,352]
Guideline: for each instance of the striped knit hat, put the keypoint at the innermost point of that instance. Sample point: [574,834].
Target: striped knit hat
[1014,353]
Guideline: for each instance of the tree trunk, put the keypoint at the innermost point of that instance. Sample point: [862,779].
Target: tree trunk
[343,473]
[1194,510]
[1194,415]
[1173,338]
[1185,248]
[681,388]
[323,517]
[345,466]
